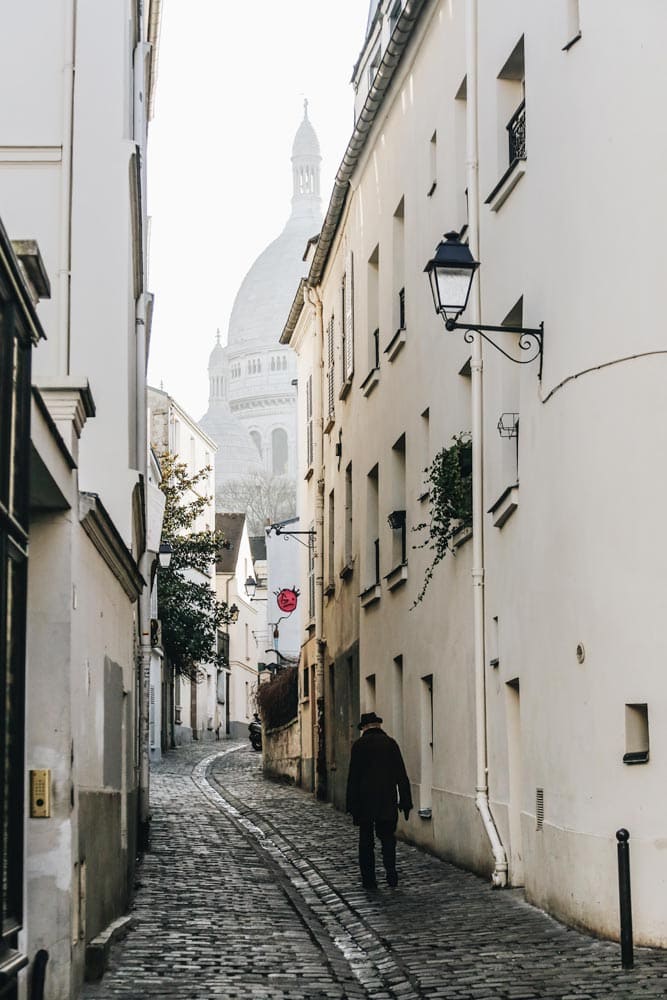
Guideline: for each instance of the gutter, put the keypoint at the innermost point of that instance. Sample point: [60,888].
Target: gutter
[383,78]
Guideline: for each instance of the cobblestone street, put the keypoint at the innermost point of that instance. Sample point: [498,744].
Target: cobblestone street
[251,890]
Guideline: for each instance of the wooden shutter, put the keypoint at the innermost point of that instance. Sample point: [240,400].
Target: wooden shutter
[309,421]
[330,367]
[348,317]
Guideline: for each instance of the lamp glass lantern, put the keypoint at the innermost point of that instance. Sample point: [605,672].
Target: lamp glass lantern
[165,554]
[450,273]
[233,614]
[250,587]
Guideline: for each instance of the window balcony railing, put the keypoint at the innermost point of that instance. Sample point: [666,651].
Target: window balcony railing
[516,130]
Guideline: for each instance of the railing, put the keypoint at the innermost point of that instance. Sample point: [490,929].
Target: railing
[516,130]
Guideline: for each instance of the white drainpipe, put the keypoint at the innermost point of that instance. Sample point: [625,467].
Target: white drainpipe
[314,298]
[472,175]
[64,253]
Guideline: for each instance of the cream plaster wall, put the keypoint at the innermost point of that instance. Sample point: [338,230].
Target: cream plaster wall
[576,562]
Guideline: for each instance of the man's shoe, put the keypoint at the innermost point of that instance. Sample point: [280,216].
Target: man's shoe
[367,884]
[392,880]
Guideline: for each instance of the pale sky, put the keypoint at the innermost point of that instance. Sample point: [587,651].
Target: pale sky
[232,77]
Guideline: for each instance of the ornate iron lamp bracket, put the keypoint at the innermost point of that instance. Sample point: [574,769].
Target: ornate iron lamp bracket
[530,339]
[281,531]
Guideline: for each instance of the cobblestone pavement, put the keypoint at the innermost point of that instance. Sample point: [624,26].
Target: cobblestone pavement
[251,890]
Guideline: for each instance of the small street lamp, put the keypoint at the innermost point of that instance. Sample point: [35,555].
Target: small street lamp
[250,587]
[451,272]
[165,554]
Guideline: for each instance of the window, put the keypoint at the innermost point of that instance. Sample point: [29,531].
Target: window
[309,421]
[636,734]
[348,515]
[279,451]
[369,693]
[347,305]
[372,527]
[426,786]
[331,540]
[331,369]
[394,15]
[399,266]
[398,699]
[459,152]
[433,164]
[311,575]
[305,687]
[398,525]
[373,305]
[573,26]
[257,441]
[373,67]
[512,105]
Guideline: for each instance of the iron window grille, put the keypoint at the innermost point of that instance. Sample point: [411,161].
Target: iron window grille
[516,131]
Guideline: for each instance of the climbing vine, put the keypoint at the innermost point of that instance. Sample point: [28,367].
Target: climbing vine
[448,480]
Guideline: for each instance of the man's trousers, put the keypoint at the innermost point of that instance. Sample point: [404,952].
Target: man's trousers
[384,829]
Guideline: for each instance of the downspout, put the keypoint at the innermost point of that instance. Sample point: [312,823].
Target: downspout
[66,167]
[499,876]
[313,296]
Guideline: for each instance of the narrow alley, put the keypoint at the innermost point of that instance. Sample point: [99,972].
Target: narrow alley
[251,890]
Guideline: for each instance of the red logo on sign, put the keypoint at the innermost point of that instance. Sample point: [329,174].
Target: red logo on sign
[287,599]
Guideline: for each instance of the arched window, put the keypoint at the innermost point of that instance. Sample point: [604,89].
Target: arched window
[257,440]
[279,451]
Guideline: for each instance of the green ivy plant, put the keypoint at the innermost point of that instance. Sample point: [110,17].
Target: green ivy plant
[448,480]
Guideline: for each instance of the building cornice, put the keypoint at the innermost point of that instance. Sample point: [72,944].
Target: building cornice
[106,538]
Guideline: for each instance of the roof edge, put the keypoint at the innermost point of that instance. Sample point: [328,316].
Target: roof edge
[383,78]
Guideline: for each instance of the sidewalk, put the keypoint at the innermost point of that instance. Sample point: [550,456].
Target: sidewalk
[251,890]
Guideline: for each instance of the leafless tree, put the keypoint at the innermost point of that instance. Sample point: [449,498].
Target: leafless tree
[263,497]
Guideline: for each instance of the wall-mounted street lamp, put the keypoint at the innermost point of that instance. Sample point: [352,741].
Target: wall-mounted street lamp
[508,425]
[451,272]
[396,519]
[251,588]
[165,554]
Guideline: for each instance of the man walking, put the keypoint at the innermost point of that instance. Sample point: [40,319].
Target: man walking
[376,771]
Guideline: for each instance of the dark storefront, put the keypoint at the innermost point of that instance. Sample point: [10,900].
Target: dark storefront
[19,330]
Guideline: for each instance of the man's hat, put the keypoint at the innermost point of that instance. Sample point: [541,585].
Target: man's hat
[369,719]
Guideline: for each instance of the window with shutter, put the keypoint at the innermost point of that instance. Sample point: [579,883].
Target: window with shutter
[348,318]
[309,421]
[331,368]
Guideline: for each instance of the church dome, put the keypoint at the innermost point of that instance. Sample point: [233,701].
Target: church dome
[217,355]
[237,455]
[306,142]
[267,291]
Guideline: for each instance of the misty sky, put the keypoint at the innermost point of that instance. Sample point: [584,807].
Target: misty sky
[232,77]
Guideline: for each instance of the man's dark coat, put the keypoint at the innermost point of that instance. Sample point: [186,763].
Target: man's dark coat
[376,769]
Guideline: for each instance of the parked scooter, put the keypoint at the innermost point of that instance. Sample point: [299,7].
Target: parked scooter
[255,732]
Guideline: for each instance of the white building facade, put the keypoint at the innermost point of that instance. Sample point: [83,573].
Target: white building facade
[531,743]
[189,710]
[72,177]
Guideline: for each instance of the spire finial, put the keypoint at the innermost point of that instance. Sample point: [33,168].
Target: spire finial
[305,107]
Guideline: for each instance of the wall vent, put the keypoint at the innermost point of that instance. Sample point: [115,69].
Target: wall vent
[539,809]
